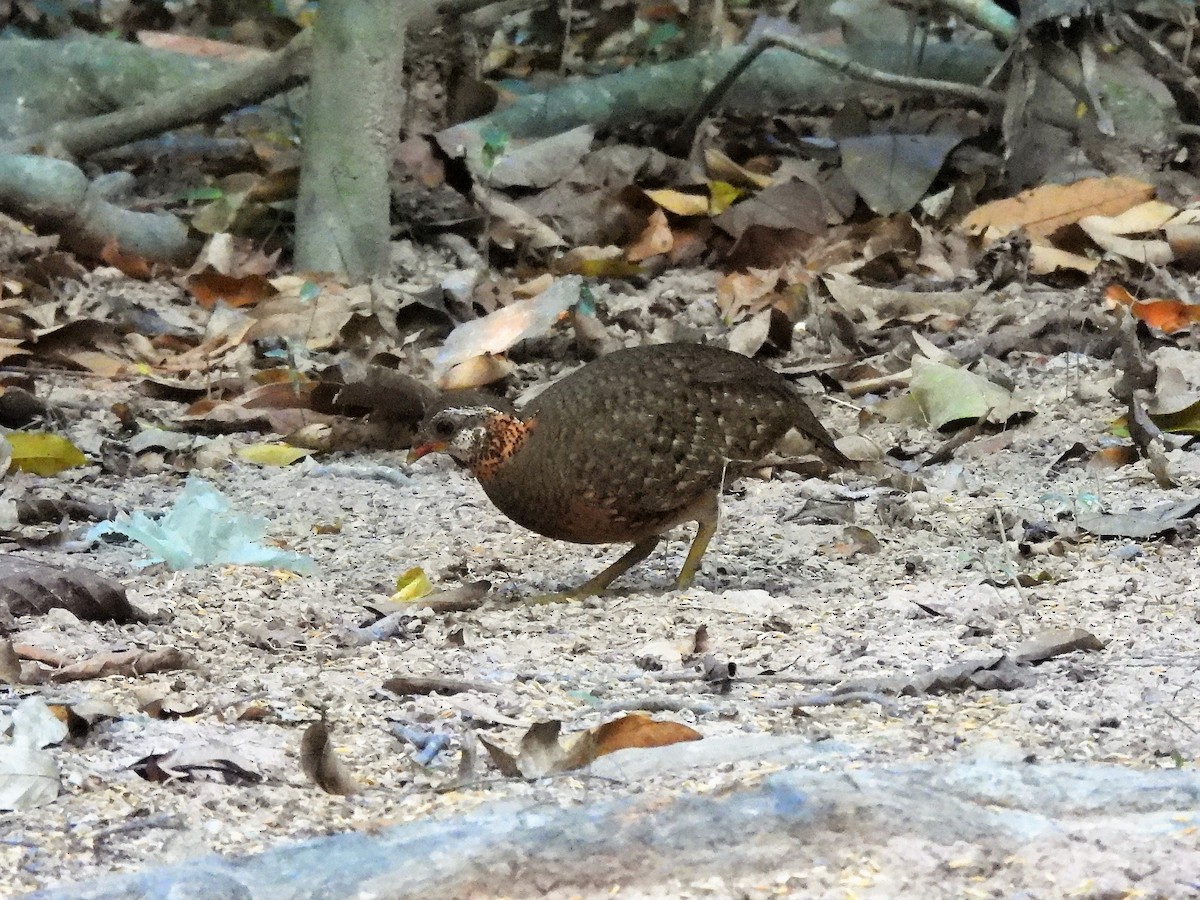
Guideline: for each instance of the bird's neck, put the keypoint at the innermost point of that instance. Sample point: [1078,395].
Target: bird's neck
[505,436]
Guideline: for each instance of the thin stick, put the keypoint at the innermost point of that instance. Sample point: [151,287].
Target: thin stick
[687,131]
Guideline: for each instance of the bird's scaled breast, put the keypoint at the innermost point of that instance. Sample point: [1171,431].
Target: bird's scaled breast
[588,492]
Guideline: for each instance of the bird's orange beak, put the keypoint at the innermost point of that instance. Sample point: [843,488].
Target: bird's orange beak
[424,450]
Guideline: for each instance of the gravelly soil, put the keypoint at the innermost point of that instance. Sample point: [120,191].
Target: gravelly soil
[776,592]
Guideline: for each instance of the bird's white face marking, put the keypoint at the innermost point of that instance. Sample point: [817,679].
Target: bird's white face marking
[467,443]
[463,430]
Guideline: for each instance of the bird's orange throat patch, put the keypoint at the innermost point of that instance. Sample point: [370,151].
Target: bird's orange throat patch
[505,436]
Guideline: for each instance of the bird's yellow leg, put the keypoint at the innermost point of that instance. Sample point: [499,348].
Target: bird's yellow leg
[596,585]
[708,516]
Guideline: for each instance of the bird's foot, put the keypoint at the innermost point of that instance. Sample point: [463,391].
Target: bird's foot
[579,593]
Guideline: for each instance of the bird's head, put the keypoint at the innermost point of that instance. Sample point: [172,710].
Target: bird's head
[478,437]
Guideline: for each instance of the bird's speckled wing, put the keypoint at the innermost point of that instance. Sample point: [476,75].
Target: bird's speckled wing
[622,445]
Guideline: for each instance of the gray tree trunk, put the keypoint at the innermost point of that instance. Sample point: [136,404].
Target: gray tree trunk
[351,128]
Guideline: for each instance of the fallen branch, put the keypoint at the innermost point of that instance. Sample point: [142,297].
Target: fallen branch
[54,195]
[238,87]
[669,92]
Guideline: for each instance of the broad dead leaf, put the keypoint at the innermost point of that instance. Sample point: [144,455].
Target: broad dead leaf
[541,753]
[44,454]
[32,588]
[1168,316]
[640,731]
[1043,210]
[212,287]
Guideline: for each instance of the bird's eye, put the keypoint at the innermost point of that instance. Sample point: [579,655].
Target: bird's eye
[443,428]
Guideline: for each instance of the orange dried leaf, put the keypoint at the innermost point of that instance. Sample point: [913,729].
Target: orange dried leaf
[246,290]
[1115,295]
[1113,457]
[1168,316]
[129,263]
[640,731]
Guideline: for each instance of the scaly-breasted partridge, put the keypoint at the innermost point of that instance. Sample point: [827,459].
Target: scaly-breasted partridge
[627,447]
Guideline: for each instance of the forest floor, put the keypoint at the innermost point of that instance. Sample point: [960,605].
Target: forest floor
[797,602]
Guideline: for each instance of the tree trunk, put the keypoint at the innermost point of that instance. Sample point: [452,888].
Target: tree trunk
[351,129]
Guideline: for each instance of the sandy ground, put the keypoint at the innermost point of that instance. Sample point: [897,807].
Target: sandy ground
[777,593]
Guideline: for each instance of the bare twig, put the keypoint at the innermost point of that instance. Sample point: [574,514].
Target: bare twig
[687,131]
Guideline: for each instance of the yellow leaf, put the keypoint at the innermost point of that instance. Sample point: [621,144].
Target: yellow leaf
[44,454]
[412,585]
[722,168]
[273,454]
[680,203]
[722,195]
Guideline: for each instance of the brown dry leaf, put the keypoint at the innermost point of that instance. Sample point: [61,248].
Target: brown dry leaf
[13,347]
[1184,239]
[199,761]
[320,762]
[511,225]
[541,754]
[407,685]
[519,320]
[741,293]
[31,588]
[876,306]
[210,286]
[129,263]
[100,363]
[308,311]
[1110,232]
[640,731]
[787,206]
[1056,642]
[655,239]
[380,391]
[10,663]
[282,406]
[1141,219]
[126,663]
[231,334]
[159,702]
[1043,210]
[236,256]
